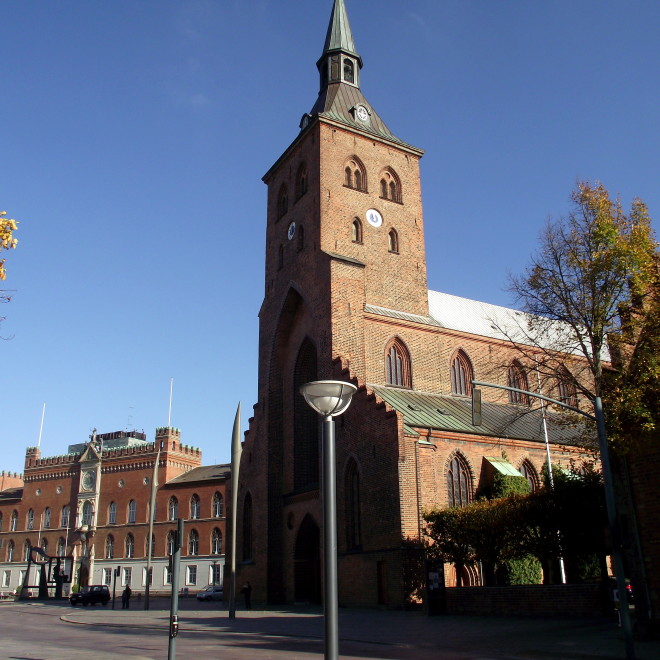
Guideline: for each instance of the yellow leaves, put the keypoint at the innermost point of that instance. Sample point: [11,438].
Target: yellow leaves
[7,241]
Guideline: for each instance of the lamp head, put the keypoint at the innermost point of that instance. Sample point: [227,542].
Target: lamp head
[328,397]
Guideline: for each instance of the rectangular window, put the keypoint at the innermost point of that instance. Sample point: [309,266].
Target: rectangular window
[21,578]
[126,579]
[144,576]
[168,575]
[215,574]
[191,575]
[6,578]
[107,576]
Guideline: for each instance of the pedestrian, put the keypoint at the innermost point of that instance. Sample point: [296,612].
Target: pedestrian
[125,598]
[247,594]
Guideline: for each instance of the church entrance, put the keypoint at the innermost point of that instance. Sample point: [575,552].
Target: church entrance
[307,563]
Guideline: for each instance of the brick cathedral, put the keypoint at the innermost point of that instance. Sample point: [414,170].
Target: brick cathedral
[346,297]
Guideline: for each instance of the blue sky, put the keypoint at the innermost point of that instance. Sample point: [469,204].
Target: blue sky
[133,138]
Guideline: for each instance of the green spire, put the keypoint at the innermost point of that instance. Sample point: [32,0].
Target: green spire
[339,36]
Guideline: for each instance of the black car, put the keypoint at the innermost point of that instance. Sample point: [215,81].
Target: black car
[90,595]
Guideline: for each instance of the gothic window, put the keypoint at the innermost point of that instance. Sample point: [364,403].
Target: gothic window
[305,421]
[527,470]
[170,542]
[390,186]
[355,175]
[280,258]
[353,519]
[459,482]
[44,545]
[173,508]
[64,518]
[110,547]
[247,528]
[30,520]
[301,181]
[282,201]
[132,510]
[194,507]
[393,241]
[129,552]
[112,514]
[397,364]
[193,543]
[461,374]
[86,513]
[217,505]
[518,379]
[301,237]
[216,542]
[60,547]
[349,75]
[153,546]
[47,518]
[26,549]
[13,521]
[566,387]
[356,231]
[10,551]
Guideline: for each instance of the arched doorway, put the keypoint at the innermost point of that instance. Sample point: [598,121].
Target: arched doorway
[307,563]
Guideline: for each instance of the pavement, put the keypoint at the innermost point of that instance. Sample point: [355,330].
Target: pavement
[383,633]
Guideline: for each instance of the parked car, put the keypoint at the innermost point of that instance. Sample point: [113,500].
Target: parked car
[90,595]
[211,593]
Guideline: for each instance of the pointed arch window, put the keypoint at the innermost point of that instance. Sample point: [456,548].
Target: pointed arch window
[356,231]
[349,71]
[566,387]
[195,507]
[282,201]
[397,364]
[390,186]
[44,545]
[301,181]
[129,548]
[348,180]
[10,551]
[27,546]
[87,512]
[527,470]
[64,518]
[216,542]
[170,543]
[153,546]
[60,547]
[355,174]
[13,521]
[173,508]
[110,547]
[29,524]
[217,505]
[393,241]
[247,527]
[47,518]
[461,374]
[193,543]
[459,482]
[132,511]
[112,513]
[517,378]
[353,518]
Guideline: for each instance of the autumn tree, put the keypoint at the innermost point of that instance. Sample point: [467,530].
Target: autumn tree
[7,242]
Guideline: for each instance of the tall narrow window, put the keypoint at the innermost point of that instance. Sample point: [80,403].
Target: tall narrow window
[216,542]
[461,374]
[517,378]
[170,542]
[110,547]
[301,181]
[87,513]
[397,364]
[64,518]
[282,201]
[305,421]
[353,519]
[390,186]
[129,547]
[112,513]
[459,482]
[60,547]
[1,519]
[280,257]
[527,470]
[47,518]
[10,551]
[193,543]
[173,509]
[349,75]
[301,237]
[27,546]
[247,528]
[132,511]
[566,387]
[153,546]
[44,545]
[217,505]
[356,231]
[348,181]
[29,524]
[355,174]
[393,241]
[13,521]
[194,507]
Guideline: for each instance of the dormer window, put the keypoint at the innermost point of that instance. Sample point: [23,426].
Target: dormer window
[349,71]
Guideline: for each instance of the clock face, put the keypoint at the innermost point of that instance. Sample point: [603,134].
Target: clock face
[88,479]
[291,231]
[374,218]
[361,113]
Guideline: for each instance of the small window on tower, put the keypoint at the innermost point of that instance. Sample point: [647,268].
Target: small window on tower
[357,231]
[393,241]
[282,201]
[349,76]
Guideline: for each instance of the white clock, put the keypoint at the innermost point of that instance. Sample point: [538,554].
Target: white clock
[374,218]
[362,113]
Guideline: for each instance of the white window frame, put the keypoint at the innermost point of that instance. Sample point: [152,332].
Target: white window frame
[126,575]
[191,575]
[167,575]
[107,576]
[6,579]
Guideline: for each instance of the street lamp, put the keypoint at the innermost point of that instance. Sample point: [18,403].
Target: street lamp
[329,398]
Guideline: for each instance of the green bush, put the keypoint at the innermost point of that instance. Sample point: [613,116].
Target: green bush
[520,571]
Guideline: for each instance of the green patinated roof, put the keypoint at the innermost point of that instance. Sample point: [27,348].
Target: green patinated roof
[503,466]
[339,35]
[454,414]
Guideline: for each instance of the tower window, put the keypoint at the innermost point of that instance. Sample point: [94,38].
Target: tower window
[282,201]
[280,258]
[461,374]
[356,231]
[390,186]
[349,75]
[349,177]
[355,175]
[301,238]
[393,241]
[301,181]
[397,364]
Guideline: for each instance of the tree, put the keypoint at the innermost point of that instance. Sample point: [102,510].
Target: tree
[7,242]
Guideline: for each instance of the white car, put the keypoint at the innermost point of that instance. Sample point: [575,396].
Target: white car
[211,593]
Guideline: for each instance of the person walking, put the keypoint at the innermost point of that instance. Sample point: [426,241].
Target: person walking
[126,598]
[247,594]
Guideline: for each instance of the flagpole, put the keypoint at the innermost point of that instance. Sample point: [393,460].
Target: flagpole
[41,426]
[152,508]
[236,451]
[169,410]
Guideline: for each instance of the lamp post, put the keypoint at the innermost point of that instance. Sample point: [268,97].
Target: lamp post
[329,398]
